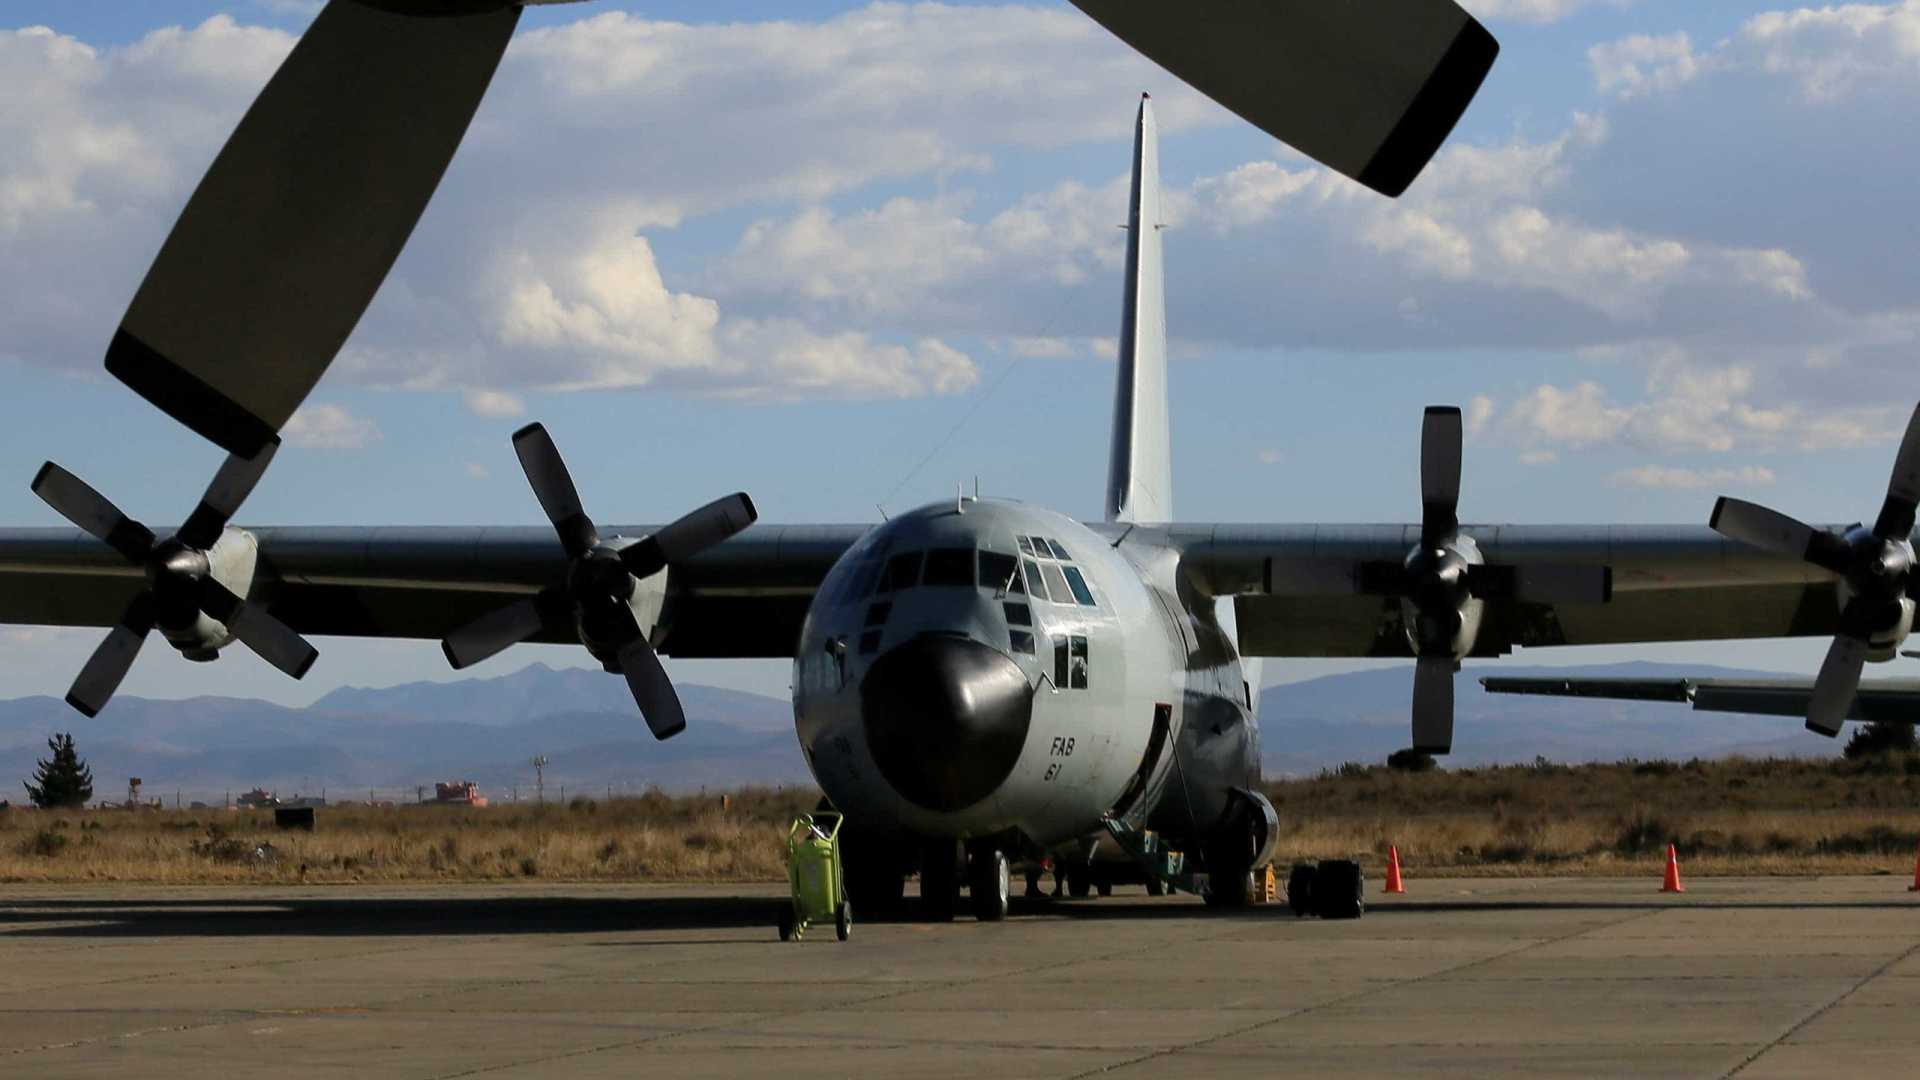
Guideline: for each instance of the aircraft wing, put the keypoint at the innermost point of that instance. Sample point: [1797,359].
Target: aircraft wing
[744,597]
[1303,590]
[1877,699]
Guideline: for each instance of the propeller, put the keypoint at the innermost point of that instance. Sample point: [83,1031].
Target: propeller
[600,583]
[1368,90]
[180,582]
[1444,583]
[298,220]
[1875,566]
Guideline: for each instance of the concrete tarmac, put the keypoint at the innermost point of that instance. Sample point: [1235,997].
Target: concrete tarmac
[1751,978]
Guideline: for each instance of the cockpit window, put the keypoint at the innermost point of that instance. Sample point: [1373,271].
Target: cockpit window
[1078,584]
[1026,545]
[903,572]
[1000,572]
[1056,584]
[949,566]
[1040,547]
[1058,551]
[1035,586]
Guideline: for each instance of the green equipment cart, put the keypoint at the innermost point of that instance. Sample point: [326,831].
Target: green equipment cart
[813,873]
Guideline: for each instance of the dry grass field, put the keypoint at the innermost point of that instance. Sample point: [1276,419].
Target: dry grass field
[1727,817]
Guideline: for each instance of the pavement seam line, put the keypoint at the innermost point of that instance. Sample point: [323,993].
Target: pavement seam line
[1820,1012]
[1170,1051]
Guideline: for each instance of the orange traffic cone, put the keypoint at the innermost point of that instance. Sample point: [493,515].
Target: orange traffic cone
[1672,882]
[1915,887]
[1394,885]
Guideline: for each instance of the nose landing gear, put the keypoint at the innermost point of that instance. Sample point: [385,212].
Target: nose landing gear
[988,882]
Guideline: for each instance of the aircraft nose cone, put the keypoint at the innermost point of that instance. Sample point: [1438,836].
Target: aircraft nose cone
[945,719]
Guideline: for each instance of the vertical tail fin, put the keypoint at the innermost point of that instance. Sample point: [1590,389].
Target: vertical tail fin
[1140,470]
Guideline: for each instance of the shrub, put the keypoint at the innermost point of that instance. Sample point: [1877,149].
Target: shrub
[1410,760]
[1878,739]
[46,843]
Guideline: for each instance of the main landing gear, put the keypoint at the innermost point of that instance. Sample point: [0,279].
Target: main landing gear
[982,866]
[988,882]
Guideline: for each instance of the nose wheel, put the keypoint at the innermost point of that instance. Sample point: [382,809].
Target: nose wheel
[988,883]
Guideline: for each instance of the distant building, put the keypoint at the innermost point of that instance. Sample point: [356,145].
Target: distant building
[257,799]
[458,793]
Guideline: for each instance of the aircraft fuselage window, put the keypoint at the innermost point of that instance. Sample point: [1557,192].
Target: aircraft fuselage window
[1021,640]
[1018,614]
[1058,551]
[1056,584]
[1078,584]
[1077,663]
[1035,587]
[949,566]
[1000,572]
[1060,662]
[877,613]
[903,572]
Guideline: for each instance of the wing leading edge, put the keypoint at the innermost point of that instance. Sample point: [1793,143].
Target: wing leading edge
[1878,700]
[744,598]
[1302,590]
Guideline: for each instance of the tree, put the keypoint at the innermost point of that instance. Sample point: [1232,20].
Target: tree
[1411,760]
[1879,737]
[66,781]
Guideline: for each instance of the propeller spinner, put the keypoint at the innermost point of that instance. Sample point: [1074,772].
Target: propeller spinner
[181,586]
[1875,566]
[600,582]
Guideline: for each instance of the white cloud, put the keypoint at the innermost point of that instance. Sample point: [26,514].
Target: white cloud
[1538,457]
[495,404]
[317,426]
[1830,51]
[1536,11]
[477,471]
[1643,64]
[1271,457]
[1480,409]
[1683,479]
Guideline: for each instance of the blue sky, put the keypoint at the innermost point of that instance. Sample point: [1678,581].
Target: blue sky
[1665,256]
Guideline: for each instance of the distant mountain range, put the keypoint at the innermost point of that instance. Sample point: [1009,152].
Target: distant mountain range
[395,739]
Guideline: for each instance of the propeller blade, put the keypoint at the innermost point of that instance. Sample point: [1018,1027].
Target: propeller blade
[93,512]
[1441,436]
[1903,489]
[1838,682]
[274,641]
[1433,705]
[553,486]
[1771,530]
[691,534]
[335,160]
[652,690]
[493,632]
[108,666]
[230,487]
[1368,93]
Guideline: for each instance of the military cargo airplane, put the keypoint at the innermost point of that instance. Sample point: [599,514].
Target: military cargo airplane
[981,679]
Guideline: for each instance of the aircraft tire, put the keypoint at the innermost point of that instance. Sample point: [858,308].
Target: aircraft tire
[1079,882]
[1156,887]
[1339,890]
[989,884]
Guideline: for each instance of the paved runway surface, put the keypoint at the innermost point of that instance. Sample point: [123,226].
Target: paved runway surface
[1755,978]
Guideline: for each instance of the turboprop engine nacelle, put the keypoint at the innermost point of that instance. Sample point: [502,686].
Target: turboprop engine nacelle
[1440,613]
[231,562]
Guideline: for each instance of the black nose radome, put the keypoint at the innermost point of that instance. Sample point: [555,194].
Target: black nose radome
[945,718]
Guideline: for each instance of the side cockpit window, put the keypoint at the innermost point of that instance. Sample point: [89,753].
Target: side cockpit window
[1001,573]
[1081,594]
[1035,586]
[903,572]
